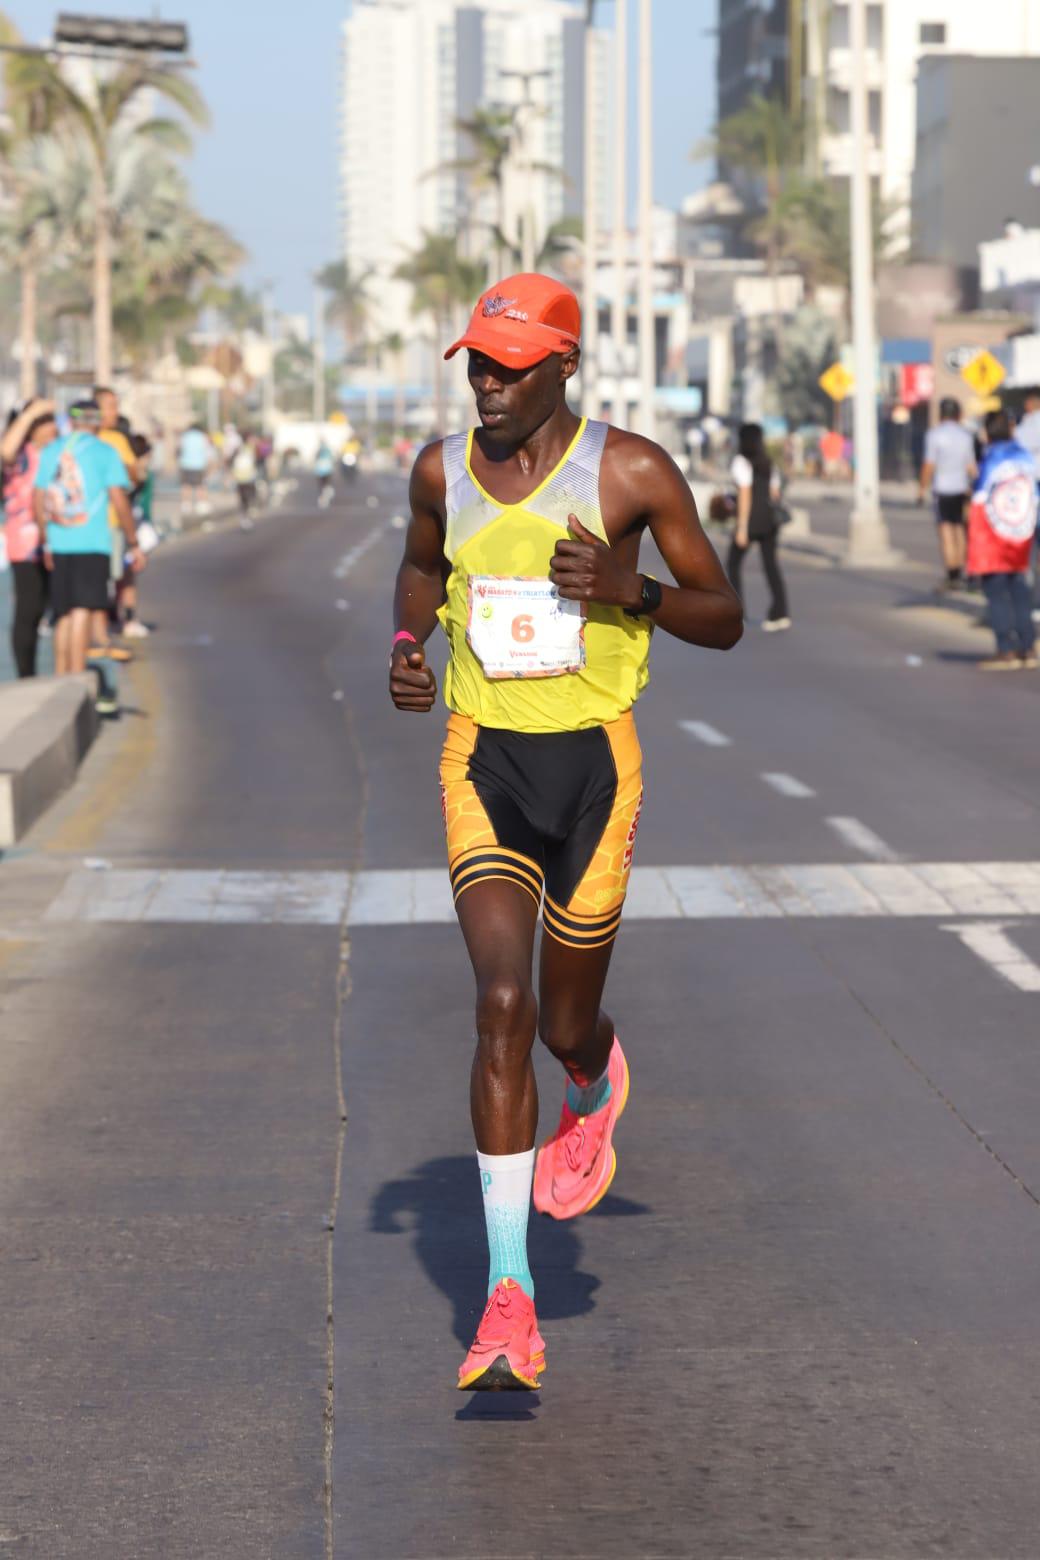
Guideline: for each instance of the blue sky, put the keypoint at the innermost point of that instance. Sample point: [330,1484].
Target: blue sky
[267,167]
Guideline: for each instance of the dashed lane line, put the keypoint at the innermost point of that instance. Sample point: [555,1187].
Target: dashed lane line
[929,890]
[701,731]
[990,941]
[787,785]
[856,834]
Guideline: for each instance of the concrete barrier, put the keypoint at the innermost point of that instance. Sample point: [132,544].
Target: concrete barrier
[47,724]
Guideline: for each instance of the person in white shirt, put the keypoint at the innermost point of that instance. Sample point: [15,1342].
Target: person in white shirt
[757,482]
[1028,431]
[1028,435]
[947,473]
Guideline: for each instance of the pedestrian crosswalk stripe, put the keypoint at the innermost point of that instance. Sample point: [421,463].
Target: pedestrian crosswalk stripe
[698,893]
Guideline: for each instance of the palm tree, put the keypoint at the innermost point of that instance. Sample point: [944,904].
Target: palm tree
[394,343]
[442,282]
[349,305]
[493,133]
[767,143]
[41,98]
[32,230]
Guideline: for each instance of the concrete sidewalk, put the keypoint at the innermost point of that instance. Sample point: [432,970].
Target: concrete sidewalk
[47,725]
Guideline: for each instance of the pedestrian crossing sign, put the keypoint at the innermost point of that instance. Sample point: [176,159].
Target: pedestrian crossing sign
[837,382]
[984,373]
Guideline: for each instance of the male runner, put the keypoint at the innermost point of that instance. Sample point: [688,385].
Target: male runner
[524,544]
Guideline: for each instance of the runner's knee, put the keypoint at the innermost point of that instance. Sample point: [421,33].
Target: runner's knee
[566,1033]
[506,1016]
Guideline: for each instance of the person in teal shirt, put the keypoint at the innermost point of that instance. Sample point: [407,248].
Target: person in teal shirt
[76,480]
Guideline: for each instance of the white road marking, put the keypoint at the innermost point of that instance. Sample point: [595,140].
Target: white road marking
[861,838]
[787,785]
[989,940]
[926,890]
[709,735]
[359,549]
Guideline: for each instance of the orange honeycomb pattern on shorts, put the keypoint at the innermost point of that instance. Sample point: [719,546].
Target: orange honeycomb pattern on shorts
[605,883]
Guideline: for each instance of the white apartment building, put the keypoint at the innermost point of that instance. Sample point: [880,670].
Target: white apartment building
[898,33]
[410,70]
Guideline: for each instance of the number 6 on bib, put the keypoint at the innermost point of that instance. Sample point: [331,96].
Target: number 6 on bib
[520,627]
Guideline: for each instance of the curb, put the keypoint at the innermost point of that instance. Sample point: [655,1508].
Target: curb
[47,725]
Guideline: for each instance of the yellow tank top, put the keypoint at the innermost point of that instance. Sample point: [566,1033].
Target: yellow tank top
[486,537]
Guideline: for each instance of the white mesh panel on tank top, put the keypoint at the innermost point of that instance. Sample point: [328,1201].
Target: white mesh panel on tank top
[466,509]
[575,487]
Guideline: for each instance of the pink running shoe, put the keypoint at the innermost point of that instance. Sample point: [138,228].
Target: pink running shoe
[508,1353]
[575,1167]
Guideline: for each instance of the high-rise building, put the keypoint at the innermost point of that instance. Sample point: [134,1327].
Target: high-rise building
[411,70]
[753,52]
[800,49]
[988,158]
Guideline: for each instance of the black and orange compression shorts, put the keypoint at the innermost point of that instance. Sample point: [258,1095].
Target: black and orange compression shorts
[548,811]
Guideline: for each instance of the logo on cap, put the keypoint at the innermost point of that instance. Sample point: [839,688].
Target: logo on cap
[496,305]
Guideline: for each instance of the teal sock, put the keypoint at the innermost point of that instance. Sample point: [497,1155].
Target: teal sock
[585,1101]
[506,1180]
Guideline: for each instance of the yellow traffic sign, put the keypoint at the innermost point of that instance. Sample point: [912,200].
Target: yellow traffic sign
[984,373]
[837,382]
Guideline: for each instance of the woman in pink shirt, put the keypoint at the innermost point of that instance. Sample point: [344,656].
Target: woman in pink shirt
[26,434]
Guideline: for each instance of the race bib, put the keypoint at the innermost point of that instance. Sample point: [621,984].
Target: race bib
[520,627]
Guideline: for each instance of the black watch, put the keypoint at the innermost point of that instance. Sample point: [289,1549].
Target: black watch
[650,599]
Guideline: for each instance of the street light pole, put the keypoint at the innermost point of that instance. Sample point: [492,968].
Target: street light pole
[590,307]
[319,353]
[619,314]
[869,544]
[267,389]
[647,333]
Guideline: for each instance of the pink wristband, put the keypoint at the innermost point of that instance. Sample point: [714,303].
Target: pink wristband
[403,634]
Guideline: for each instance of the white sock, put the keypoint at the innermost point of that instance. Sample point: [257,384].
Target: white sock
[506,1180]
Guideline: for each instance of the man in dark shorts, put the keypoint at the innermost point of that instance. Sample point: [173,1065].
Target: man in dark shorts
[77,479]
[948,473]
[524,544]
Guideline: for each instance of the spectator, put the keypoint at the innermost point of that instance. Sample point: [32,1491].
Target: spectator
[324,469]
[947,473]
[758,491]
[28,432]
[194,457]
[114,432]
[1001,528]
[1028,431]
[244,471]
[77,478]
[832,453]
[1028,435]
[141,500]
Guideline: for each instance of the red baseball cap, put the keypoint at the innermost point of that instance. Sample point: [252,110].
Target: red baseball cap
[521,320]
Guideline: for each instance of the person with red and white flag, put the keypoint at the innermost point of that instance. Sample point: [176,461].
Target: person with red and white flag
[1001,526]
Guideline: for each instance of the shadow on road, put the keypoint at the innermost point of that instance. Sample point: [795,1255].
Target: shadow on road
[439,1201]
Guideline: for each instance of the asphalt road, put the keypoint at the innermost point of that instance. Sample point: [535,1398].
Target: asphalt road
[241,1225]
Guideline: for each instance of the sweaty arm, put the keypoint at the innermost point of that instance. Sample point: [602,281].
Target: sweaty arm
[647,491]
[925,480]
[420,584]
[125,516]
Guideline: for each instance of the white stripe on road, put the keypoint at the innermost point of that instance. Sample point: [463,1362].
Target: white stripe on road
[359,549]
[934,890]
[705,733]
[861,838]
[787,785]
[989,940]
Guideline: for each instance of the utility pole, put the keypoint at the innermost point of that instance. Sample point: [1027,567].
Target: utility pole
[319,353]
[869,544]
[267,404]
[589,303]
[619,313]
[521,120]
[647,332]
